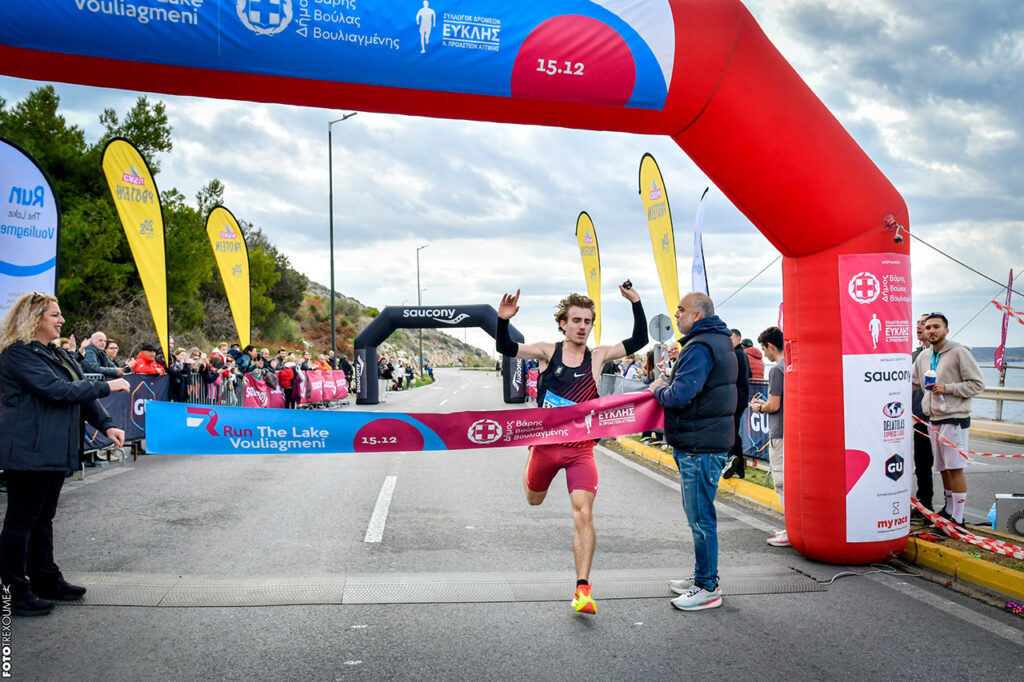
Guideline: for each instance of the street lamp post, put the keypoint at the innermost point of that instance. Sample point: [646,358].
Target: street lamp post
[330,182]
[419,300]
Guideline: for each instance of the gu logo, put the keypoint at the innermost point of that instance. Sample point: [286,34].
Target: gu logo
[202,415]
[894,467]
[265,17]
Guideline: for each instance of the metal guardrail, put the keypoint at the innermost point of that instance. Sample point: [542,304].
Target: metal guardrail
[1001,394]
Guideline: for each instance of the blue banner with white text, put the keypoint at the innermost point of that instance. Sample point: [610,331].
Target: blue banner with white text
[611,52]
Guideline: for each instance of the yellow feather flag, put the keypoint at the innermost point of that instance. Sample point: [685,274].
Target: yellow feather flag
[659,221]
[232,256]
[138,205]
[586,237]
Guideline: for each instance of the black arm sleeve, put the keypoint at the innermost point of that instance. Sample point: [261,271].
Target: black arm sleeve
[503,340]
[639,338]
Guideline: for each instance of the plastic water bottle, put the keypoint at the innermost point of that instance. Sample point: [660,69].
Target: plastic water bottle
[929,384]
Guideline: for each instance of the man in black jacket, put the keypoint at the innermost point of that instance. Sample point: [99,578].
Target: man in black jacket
[737,465]
[699,402]
[96,361]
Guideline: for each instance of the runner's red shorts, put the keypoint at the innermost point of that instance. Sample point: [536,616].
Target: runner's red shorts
[578,462]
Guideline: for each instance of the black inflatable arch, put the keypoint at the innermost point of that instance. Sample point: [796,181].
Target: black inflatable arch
[513,371]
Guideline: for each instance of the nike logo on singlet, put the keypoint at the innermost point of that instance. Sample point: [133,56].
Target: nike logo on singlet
[575,374]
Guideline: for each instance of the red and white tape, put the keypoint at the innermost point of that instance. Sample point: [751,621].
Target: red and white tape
[945,441]
[957,533]
[1017,315]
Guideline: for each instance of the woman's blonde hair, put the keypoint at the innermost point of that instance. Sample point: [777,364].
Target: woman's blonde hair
[22,320]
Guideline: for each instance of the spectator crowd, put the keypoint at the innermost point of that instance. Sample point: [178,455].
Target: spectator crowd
[199,376]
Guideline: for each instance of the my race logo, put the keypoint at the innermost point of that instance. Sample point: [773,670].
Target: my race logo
[893,410]
[864,287]
[202,415]
[484,431]
[133,178]
[265,17]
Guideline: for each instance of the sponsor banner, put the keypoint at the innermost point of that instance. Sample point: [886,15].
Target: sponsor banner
[316,386]
[1001,349]
[607,52]
[340,384]
[257,393]
[663,241]
[876,320]
[29,227]
[586,238]
[128,409]
[754,432]
[699,273]
[232,256]
[176,428]
[138,205]
[531,382]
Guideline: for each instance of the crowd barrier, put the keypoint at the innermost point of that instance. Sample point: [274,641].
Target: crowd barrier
[128,410]
[753,425]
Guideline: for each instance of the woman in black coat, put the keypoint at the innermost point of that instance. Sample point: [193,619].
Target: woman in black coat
[43,400]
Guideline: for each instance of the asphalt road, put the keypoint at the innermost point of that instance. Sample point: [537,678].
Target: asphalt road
[278,517]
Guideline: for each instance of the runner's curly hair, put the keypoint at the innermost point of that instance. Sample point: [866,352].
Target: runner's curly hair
[21,321]
[572,301]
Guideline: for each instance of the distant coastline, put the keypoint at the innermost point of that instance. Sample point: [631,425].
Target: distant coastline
[987,354]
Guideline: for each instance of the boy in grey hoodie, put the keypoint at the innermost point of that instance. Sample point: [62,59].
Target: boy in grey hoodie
[947,406]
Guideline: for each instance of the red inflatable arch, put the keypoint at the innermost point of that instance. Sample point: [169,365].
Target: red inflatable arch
[733,104]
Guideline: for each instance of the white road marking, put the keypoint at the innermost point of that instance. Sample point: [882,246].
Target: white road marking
[443,402]
[984,622]
[729,510]
[375,531]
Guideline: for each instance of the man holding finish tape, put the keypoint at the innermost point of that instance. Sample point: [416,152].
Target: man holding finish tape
[569,374]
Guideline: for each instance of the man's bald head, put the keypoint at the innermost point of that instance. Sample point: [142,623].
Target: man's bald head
[99,339]
[694,306]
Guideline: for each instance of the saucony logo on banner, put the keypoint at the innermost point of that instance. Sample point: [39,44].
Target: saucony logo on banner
[443,315]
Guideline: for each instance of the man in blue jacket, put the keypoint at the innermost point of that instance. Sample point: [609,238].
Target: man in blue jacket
[699,401]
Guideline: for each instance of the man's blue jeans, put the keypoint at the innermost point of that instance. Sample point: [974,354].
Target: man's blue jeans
[698,480]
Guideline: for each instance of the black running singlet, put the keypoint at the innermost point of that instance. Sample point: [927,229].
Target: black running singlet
[560,385]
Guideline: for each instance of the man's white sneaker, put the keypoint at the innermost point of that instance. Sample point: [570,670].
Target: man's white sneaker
[697,598]
[680,586]
[780,540]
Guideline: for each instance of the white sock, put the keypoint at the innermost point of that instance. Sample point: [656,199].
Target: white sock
[959,502]
[949,500]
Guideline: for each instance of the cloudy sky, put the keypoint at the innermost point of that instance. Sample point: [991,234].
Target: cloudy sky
[931,89]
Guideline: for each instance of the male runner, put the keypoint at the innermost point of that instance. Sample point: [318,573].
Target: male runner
[569,374]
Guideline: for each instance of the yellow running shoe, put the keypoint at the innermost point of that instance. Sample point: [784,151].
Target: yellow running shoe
[582,601]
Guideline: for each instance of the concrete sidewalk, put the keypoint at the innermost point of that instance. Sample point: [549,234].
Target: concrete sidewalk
[1005,432]
[959,566]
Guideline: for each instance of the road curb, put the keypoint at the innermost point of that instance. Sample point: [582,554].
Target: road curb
[954,563]
[736,486]
[964,567]
[1000,436]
